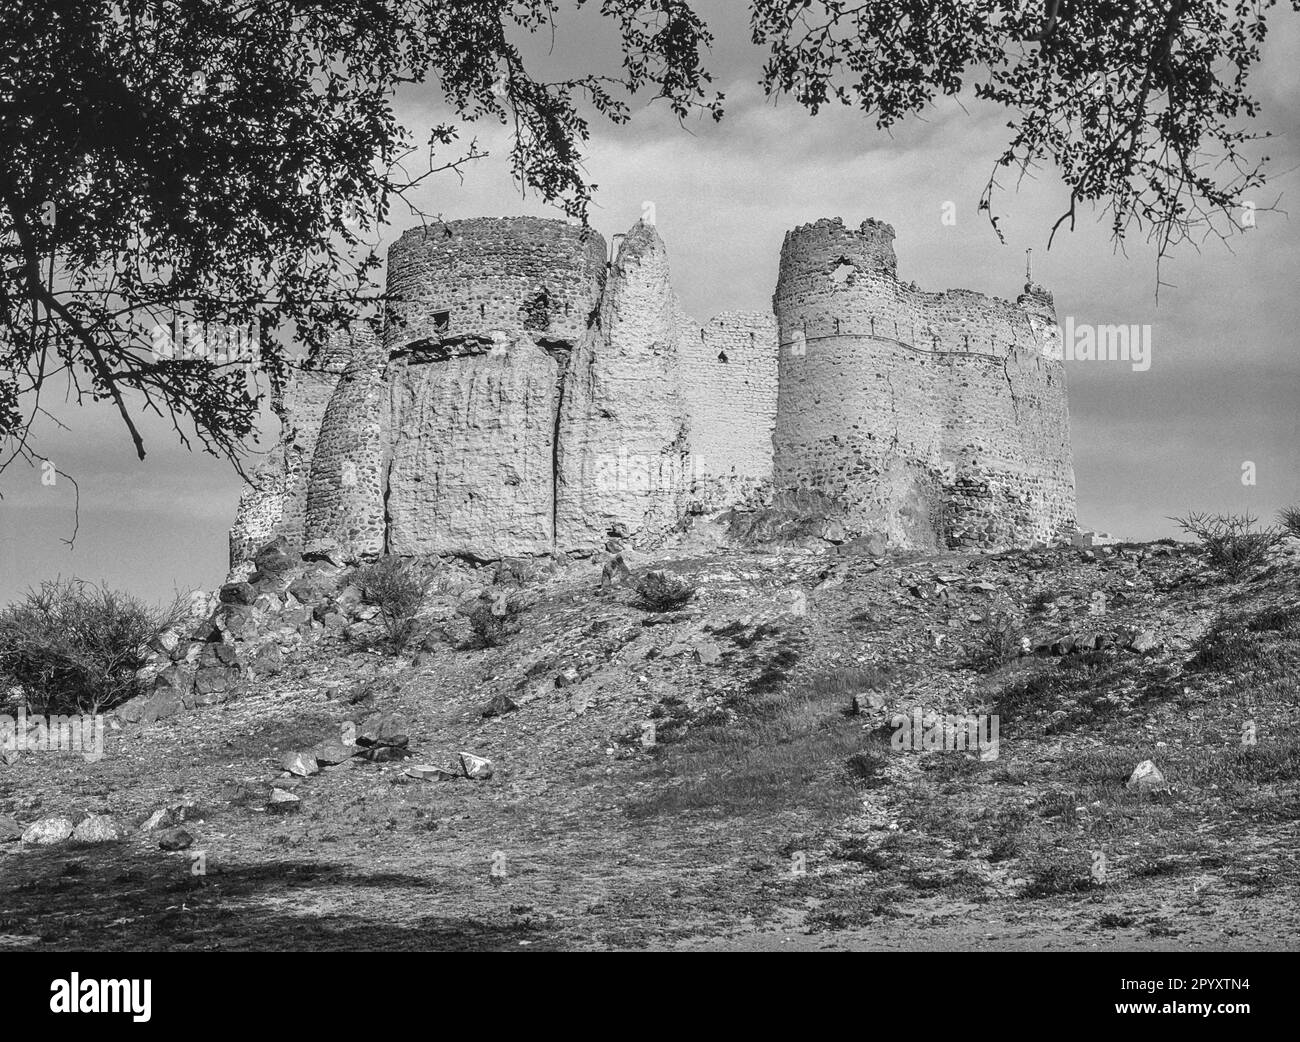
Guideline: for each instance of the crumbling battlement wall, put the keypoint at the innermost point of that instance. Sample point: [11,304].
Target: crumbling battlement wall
[936,419]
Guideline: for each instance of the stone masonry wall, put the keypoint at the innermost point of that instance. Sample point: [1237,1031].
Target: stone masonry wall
[932,418]
[729,371]
[512,274]
[473,453]
[345,493]
[528,398]
[275,501]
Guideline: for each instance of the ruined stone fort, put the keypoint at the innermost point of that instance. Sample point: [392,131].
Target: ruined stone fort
[529,395]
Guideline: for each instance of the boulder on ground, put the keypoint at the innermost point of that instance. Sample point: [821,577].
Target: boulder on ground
[1144,641]
[430,772]
[162,705]
[237,593]
[47,831]
[174,680]
[1146,777]
[708,653]
[238,620]
[478,768]
[383,729]
[174,839]
[499,706]
[215,683]
[275,557]
[303,764]
[332,751]
[268,661]
[100,828]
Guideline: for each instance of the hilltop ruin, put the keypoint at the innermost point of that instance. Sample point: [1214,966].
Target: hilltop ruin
[530,396]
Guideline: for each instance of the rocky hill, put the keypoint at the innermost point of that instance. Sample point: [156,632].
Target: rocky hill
[586,772]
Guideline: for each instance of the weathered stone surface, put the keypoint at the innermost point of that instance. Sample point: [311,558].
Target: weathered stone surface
[10,830]
[303,764]
[1144,641]
[215,681]
[217,654]
[524,401]
[937,419]
[100,828]
[345,493]
[332,752]
[268,661]
[474,453]
[174,679]
[311,588]
[707,653]
[237,593]
[47,831]
[1146,777]
[499,705]
[162,705]
[282,802]
[275,557]
[236,620]
[624,455]
[175,839]
[615,571]
[477,768]
[430,772]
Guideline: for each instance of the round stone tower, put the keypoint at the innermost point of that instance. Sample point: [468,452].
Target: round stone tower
[853,433]
[504,275]
[933,419]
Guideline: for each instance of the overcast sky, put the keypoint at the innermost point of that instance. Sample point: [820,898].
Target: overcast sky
[1222,389]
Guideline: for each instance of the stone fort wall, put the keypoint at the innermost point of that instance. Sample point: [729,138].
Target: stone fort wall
[274,502]
[729,375]
[347,479]
[528,396]
[938,419]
